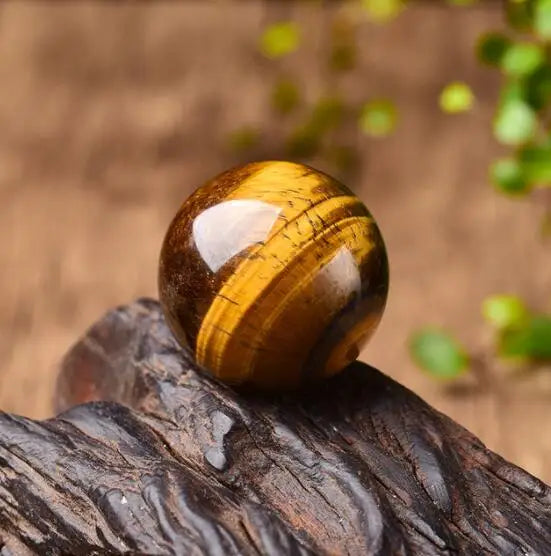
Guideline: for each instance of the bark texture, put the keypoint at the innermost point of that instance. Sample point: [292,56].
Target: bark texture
[158,458]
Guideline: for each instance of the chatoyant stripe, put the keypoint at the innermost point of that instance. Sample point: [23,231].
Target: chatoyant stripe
[309,299]
[286,185]
[321,229]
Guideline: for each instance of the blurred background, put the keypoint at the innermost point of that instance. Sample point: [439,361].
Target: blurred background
[111,114]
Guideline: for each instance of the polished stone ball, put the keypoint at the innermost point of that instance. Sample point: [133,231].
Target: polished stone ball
[273,275]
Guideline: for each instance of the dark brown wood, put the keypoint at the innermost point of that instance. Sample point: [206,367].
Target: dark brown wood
[172,462]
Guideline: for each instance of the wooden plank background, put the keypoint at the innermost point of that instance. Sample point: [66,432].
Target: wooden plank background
[111,114]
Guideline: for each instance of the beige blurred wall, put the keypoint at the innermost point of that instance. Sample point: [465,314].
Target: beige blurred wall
[111,114]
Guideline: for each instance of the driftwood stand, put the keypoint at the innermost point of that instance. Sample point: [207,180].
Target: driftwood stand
[172,462]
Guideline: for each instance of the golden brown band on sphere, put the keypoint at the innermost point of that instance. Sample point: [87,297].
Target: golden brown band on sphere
[273,274]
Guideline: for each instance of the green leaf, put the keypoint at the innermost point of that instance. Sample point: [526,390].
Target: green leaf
[491,48]
[530,342]
[519,14]
[456,97]
[538,87]
[522,59]
[280,39]
[378,118]
[512,90]
[515,123]
[542,19]
[438,353]
[344,158]
[344,42]
[327,114]
[304,142]
[285,96]
[535,161]
[343,57]
[504,311]
[244,139]
[508,177]
[382,11]
[462,2]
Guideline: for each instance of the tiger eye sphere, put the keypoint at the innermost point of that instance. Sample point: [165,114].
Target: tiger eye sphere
[273,274]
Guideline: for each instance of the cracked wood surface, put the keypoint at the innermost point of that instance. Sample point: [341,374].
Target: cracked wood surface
[160,459]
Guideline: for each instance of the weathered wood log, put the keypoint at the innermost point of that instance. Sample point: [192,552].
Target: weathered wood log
[172,462]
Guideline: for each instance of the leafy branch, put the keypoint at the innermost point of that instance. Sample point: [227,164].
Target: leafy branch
[522,122]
